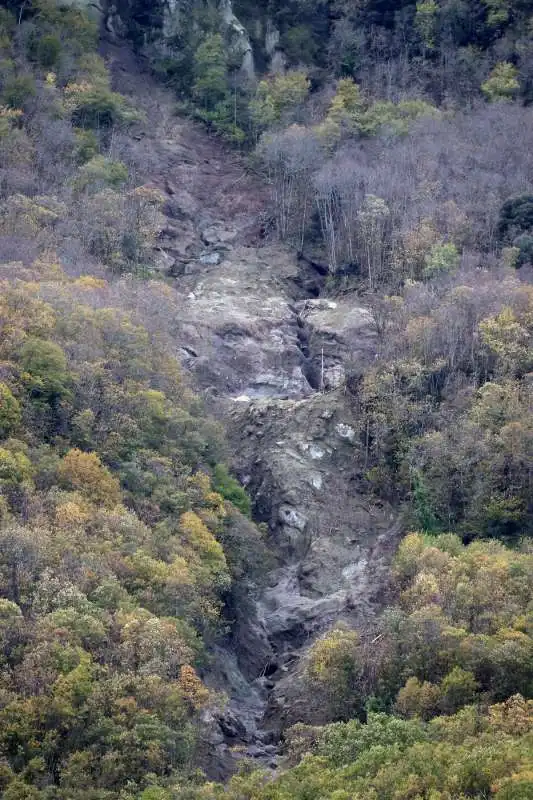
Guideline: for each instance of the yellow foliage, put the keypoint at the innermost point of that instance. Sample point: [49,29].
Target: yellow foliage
[343,112]
[502,83]
[417,243]
[15,467]
[409,551]
[200,484]
[423,591]
[330,654]
[73,91]
[86,473]
[178,573]
[192,688]
[514,716]
[202,549]
[215,502]
[149,570]
[71,514]
[153,643]
[417,699]
[90,282]
[8,118]
[279,94]
[148,195]
[48,266]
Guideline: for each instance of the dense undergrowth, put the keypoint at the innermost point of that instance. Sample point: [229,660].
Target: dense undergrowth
[116,551]
[62,184]
[392,134]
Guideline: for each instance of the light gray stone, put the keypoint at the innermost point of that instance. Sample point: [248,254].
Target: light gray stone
[345,432]
[211,259]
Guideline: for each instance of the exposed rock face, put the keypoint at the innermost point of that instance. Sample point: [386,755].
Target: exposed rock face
[302,463]
[238,319]
[262,350]
[239,39]
[339,333]
[163,21]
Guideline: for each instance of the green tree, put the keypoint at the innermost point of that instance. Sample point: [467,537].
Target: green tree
[426,21]
[45,364]
[443,259]
[502,83]
[9,411]
[211,72]
[279,98]
[333,673]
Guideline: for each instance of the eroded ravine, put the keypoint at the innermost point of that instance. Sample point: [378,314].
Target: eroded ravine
[270,357]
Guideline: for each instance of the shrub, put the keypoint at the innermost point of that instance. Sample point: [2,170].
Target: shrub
[279,96]
[443,259]
[458,689]
[9,411]
[46,50]
[231,490]
[96,106]
[333,674]
[100,172]
[86,145]
[502,83]
[210,70]
[516,216]
[45,365]
[18,90]
[524,244]
[14,467]
[85,473]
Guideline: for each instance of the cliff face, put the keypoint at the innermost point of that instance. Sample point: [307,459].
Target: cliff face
[161,25]
[269,351]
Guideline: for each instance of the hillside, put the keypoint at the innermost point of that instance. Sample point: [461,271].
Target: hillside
[266,418]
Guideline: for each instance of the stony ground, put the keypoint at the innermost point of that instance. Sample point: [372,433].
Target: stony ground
[271,358]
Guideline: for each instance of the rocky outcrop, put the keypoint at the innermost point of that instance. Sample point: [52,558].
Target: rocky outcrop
[161,22]
[340,336]
[237,319]
[239,40]
[302,462]
[270,351]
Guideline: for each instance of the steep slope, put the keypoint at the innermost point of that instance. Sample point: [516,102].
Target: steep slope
[149,628]
[249,327]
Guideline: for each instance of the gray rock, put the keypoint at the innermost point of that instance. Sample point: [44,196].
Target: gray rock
[333,543]
[231,726]
[218,234]
[345,431]
[211,259]
[339,333]
[162,261]
[241,324]
[293,518]
[240,43]
[334,376]
[181,205]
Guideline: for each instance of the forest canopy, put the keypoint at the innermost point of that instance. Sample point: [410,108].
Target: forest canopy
[397,142]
